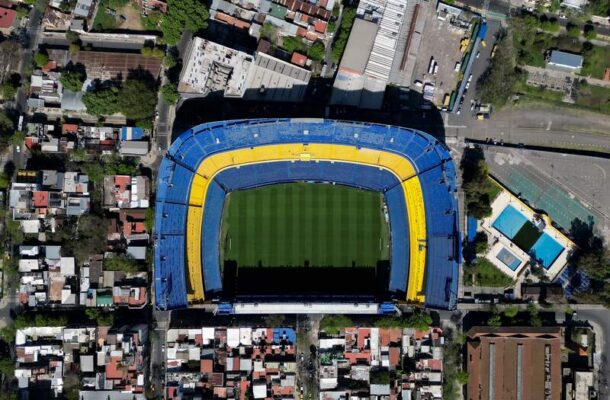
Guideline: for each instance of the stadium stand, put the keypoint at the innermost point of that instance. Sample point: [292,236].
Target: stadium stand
[201,164]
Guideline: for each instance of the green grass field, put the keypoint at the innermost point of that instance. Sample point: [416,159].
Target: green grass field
[301,224]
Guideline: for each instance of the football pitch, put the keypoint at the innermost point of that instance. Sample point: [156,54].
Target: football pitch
[304,224]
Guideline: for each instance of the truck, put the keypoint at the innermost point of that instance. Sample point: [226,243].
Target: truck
[431,65]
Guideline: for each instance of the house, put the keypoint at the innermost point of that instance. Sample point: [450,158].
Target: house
[8,17]
[84,8]
[122,191]
[564,61]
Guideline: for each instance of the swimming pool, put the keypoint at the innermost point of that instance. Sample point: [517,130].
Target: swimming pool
[510,221]
[546,250]
[508,259]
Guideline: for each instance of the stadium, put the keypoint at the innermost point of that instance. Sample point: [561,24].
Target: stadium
[346,211]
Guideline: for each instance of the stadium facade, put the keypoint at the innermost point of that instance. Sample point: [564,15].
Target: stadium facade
[414,172]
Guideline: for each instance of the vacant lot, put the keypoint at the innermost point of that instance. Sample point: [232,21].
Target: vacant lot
[300,224]
[117,14]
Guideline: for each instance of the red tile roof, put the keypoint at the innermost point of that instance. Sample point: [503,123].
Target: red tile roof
[112,369]
[363,334]
[394,356]
[70,128]
[7,17]
[356,358]
[298,59]
[207,366]
[320,26]
[41,199]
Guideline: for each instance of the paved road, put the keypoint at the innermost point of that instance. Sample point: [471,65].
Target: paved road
[540,125]
[33,35]
[157,351]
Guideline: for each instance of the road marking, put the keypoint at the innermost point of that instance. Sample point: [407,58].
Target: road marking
[548,126]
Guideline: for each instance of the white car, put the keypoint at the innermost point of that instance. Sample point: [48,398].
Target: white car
[470,78]
[478,54]
[18,149]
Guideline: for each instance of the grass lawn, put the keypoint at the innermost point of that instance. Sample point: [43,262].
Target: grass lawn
[105,22]
[595,61]
[299,224]
[485,274]
[494,191]
[594,97]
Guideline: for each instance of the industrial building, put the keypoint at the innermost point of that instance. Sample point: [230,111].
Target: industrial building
[514,363]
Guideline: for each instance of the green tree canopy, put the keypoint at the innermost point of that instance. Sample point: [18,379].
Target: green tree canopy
[102,101]
[73,77]
[316,51]
[183,15]
[137,100]
[41,58]
[170,93]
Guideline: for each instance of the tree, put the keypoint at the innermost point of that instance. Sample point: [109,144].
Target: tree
[152,20]
[495,321]
[73,48]
[462,377]
[419,320]
[89,238]
[589,31]
[498,81]
[152,52]
[73,77]
[170,93]
[511,312]
[191,15]
[269,32]
[316,51]
[480,243]
[149,219]
[137,100]
[41,59]
[476,183]
[7,366]
[573,30]
[102,101]
[8,91]
[102,318]
[535,320]
[71,36]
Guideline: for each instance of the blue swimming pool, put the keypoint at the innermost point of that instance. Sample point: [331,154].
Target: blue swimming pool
[508,259]
[510,221]
[546,250]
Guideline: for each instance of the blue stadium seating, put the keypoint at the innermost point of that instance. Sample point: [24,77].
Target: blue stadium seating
[399,237]
[170,284]
[431,160]
[210,243]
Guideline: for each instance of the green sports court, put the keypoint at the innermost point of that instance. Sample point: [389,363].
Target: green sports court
[304,224]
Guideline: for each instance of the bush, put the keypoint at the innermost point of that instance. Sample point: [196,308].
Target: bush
[589,31]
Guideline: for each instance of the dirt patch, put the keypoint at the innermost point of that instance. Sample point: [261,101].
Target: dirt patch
[132,22]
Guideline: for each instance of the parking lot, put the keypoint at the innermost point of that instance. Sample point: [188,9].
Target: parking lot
[479,66]
[441,42]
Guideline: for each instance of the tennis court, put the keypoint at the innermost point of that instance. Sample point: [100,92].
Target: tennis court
[305,224]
